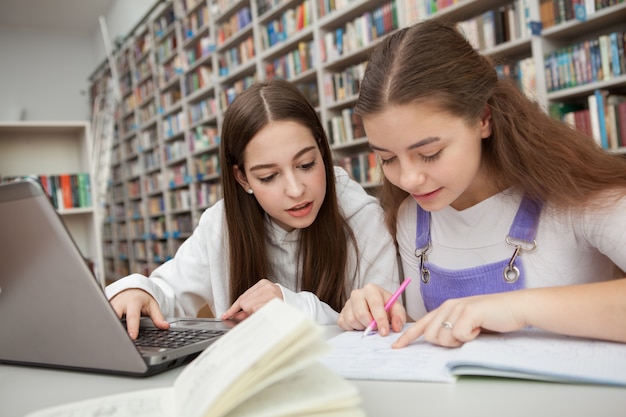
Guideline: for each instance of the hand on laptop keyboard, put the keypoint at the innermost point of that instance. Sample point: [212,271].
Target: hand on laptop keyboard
[132,304]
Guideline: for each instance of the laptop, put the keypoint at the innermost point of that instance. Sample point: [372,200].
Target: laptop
[53,312]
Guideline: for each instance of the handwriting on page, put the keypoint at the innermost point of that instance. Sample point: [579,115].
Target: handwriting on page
[371,357]
[147,403]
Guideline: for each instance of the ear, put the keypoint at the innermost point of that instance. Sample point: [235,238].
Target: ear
[486,128]
[240,176]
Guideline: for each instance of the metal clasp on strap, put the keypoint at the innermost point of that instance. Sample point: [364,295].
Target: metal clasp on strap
[511,272]
[424,272]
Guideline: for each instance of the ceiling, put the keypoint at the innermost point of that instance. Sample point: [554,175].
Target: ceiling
[64,16]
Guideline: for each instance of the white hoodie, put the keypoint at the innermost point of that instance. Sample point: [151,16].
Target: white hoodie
[198,273]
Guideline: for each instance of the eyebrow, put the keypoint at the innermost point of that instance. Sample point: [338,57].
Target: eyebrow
[417,144]
[296,156]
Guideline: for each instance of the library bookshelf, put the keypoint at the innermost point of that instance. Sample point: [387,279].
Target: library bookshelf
[58,154]
[186,60]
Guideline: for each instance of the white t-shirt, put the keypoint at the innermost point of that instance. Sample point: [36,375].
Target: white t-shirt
[198,273]
[572,248]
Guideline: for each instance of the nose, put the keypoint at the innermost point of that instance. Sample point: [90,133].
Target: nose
[293,186]
[412,176]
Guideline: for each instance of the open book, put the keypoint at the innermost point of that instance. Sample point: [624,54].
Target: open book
[265,366]
[528,354]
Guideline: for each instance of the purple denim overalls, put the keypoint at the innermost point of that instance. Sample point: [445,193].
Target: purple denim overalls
[439,284]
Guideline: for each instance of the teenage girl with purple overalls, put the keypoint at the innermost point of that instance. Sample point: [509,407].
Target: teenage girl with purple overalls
[503,217]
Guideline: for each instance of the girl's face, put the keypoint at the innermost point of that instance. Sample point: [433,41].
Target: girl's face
[285,170]
[430,154]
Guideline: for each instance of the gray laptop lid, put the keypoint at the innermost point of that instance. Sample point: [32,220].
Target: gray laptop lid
[53,312]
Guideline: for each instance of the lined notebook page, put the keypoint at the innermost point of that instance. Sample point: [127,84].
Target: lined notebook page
[528,354]
[536,354]
[371,357]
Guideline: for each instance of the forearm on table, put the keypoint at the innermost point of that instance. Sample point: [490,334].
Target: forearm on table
[595,310]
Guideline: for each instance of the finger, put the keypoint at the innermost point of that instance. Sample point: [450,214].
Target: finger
[447,334]
[240,316]
[246,301]
[347,319]
[376,304]
[443,326]
[253,301]
[464,329]
[411,334]
[232,310]
[119,308]
[359,315]
[398,317]
[133,316]
[154,312]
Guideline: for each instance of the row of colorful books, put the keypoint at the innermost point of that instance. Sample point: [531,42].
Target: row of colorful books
[559,11]
[359,33]
[602,117]
[493,27]
[66,191]
[288,24]
[345,127]
[362,167]
[597,59]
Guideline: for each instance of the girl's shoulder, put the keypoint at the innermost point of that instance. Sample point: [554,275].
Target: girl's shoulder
[351,196]
[213,217]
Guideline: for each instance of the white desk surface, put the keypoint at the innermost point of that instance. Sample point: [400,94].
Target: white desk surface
[24,389]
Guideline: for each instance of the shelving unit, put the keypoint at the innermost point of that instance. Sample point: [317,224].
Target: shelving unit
[187,60]
[52,149]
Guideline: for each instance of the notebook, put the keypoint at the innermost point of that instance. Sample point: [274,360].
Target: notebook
[53,312]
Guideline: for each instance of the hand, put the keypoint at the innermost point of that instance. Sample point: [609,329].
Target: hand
[133,303]
[252,300]
[460,320]
[368,303]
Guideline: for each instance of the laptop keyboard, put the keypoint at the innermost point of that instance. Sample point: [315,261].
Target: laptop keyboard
[173,338]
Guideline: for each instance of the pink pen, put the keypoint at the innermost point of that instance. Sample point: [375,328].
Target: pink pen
[388,305]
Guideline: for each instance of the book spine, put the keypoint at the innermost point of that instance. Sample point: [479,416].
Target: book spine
[615,58]
[621,120]
[600,96]
[593,116]
[74,190]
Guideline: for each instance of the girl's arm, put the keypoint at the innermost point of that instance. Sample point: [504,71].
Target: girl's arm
[596,310]
[182,285]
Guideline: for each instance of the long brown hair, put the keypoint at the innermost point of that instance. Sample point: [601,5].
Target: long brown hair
[324,245]
[542,157]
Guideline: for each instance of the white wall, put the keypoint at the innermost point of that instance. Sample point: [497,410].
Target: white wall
[44,76]
[121,18]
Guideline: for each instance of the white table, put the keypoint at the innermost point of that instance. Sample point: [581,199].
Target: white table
[24,389]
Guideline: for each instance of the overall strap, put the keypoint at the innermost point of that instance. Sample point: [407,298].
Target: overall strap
[422,233]
[524,225]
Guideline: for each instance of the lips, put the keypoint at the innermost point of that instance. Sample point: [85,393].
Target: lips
[300,206]
[301,210]
[426,196]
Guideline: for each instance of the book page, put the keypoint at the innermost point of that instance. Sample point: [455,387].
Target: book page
[157,402]
[528,354]
[371,357]
[310,391]
[246,359]
[541,355]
